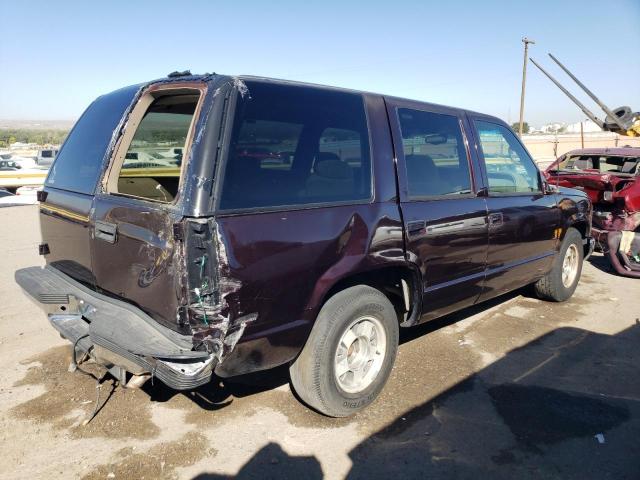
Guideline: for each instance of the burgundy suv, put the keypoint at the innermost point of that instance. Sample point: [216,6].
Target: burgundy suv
[299,225]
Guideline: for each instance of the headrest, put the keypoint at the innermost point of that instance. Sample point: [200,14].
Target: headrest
[327,156]
[420,164]
[333,168]
[583,164]
[629,166]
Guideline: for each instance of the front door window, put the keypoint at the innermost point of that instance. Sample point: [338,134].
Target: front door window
[509,168]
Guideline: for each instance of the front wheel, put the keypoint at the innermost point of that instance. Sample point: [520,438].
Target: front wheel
[559,284]
[349,354]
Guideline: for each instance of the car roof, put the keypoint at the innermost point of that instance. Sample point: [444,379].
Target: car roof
[614,151]
[363,92]
[223,78]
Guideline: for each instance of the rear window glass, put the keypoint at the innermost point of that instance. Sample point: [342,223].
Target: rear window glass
[79,162]
[294,145]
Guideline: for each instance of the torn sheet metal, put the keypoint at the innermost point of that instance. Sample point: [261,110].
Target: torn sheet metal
[216,319]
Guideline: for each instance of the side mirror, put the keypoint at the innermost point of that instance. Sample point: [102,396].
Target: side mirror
[549,188]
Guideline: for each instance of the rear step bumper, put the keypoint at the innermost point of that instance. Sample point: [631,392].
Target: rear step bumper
[129,339]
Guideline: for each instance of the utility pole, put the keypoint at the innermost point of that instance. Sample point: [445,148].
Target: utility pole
[526,42]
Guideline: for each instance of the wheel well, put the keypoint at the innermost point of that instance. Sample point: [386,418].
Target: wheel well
[581,226]
[389,281]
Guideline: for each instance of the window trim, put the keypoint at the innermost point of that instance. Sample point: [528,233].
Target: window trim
[223,158]
[424,198]
[481,156]
[134,118]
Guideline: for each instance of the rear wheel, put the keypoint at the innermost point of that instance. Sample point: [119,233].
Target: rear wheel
[560,283]
[349,354]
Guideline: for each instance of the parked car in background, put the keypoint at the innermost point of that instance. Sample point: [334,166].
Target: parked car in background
[385,213]
[17,162]
[29,193]
[611,178]
[8,165]
[9,199]
[45,157]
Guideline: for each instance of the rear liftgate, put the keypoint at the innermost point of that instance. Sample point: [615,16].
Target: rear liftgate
[124,339]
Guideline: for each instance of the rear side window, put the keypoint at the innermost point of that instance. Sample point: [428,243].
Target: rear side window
[79,162]
[434,153]
[294,145]
[509,168]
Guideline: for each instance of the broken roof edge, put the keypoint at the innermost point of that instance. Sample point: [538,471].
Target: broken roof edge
[629,151]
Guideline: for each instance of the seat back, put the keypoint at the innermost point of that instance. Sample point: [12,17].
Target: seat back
[331,178]
[629,166]
[422,175]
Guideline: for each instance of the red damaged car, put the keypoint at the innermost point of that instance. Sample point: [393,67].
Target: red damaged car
[611,178]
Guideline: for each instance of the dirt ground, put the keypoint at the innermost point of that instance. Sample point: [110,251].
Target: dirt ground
[515,388]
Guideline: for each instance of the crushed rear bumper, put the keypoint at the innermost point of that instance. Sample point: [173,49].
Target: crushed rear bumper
[116,334]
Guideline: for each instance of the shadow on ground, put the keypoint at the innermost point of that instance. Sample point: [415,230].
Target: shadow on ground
[220,394]
[566,405]
[601,262]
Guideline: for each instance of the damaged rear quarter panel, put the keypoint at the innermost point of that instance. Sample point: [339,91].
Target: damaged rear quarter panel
[277,266]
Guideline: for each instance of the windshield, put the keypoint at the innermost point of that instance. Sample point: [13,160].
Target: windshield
[599,163]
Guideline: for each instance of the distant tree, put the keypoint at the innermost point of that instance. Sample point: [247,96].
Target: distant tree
[516,127]
[41,137]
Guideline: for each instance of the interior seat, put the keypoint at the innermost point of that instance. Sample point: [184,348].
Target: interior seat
[629,166]
[331,178]
[583,164]
[423,176]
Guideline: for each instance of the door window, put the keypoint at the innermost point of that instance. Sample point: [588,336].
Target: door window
[509,168]
[293,146]
[435,156]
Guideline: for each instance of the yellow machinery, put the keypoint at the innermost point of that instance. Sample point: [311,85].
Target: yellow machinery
[621,120]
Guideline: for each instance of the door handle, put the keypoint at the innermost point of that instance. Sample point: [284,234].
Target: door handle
[495,219]
[415,228]
[106,231]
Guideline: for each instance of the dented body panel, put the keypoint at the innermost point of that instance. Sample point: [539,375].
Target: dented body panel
[615,194]
[284,264]
[144,263]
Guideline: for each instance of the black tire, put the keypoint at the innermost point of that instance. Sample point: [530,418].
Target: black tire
[551,287]
[313,372]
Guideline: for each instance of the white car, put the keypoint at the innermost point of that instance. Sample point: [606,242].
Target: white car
[8,199]
[46,157]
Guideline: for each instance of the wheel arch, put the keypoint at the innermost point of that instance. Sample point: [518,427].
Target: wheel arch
[583,227]
[400,283]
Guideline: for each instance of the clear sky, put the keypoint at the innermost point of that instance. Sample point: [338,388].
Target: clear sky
[55,57]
